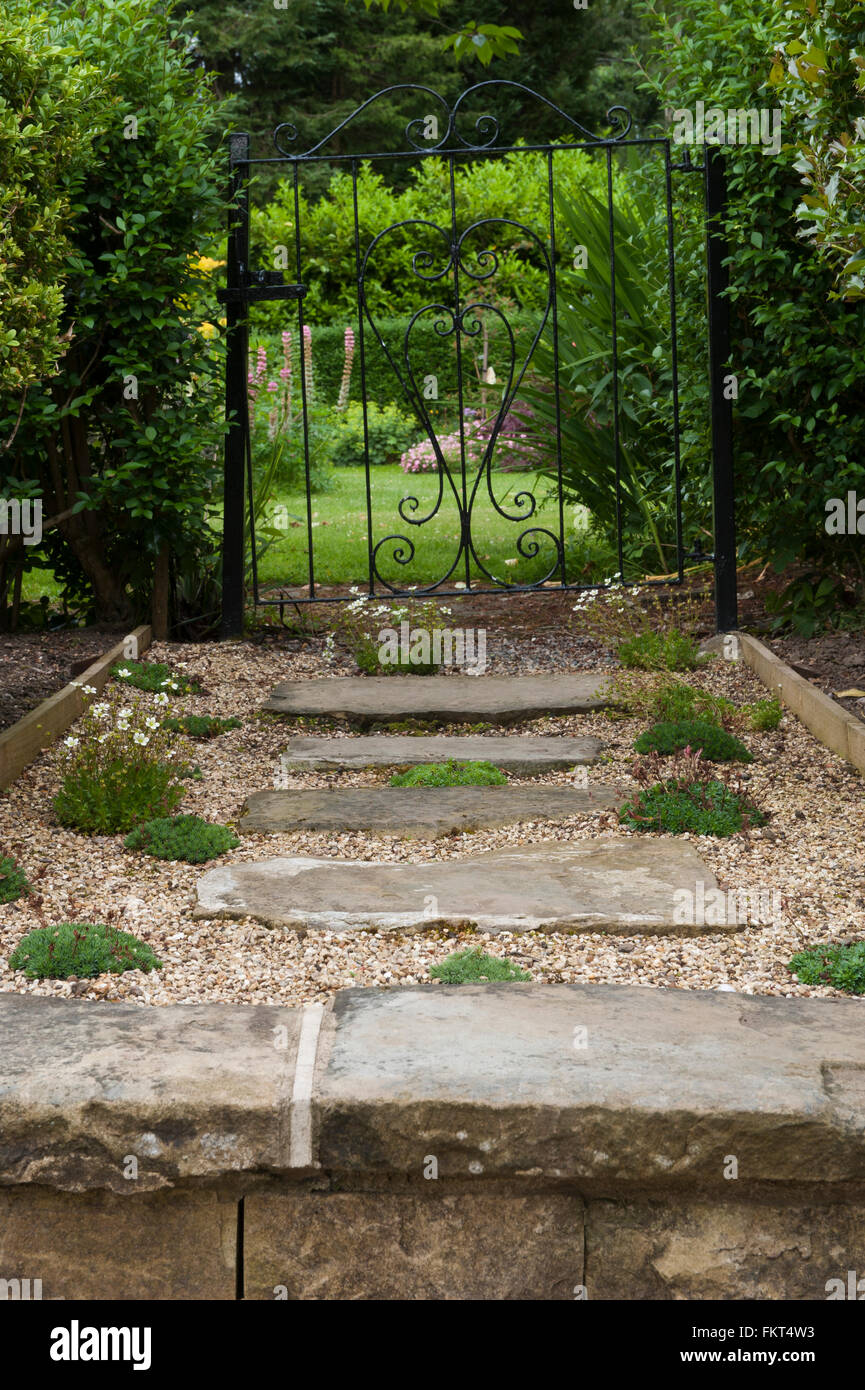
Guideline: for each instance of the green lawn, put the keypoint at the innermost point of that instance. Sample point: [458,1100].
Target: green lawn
[339,534]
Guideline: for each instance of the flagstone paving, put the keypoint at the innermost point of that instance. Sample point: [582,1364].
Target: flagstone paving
[523,755]
[427,812]
[625,886]
[464,699]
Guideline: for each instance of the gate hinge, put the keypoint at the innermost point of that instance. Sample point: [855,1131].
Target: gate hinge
[256,285]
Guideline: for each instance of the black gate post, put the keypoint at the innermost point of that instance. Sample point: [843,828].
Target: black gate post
[726,615]
[237,260]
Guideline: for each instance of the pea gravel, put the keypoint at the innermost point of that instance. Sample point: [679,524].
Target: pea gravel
[810,852]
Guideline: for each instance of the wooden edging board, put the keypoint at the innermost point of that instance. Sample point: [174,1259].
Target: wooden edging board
[828,721]
[26,739]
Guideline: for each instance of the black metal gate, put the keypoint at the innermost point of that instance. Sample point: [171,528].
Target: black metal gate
[464,479]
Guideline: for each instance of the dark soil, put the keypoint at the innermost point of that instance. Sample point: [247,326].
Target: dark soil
[34,665]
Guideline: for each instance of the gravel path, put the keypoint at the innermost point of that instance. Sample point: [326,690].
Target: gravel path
[810,852]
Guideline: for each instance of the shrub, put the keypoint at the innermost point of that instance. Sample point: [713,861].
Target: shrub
[13,881]
[716,745]
[390,432]
[82,949]
[689,797]
[154,676]
[450,774]
[473,964]
[121,767]
[201,725]
[842,967]
[660,651]
[182,837]
[360,624]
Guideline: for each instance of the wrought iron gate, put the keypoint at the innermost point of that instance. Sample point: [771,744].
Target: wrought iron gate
[463,480]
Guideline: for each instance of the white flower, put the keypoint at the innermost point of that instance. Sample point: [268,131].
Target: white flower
[101,738]
[100,709]
[123,671]
[70,742]
[151,723]
[161,699]
[89,689]
[139,737]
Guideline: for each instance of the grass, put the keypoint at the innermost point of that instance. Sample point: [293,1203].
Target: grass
[450,774]
[472,965]
[339,530]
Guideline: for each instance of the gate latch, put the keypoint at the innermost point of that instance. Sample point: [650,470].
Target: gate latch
[256,285]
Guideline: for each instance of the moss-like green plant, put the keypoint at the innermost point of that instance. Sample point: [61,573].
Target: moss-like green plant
[450,774]
[716,745]
[764,715]
[154,676]
[13,881]
[184,837]
[701,808]
[660,651]
[201,725]
[842,967]
[473,964]
[82,949]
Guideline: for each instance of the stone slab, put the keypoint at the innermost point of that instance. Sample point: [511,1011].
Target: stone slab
[604,1085]
[524,755]
[420,811]
[189,1090]
[612,884]
[102,1246]
[398,1246]
[463,699]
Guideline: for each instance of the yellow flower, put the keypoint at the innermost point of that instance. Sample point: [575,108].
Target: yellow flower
[207,263]
[208,329]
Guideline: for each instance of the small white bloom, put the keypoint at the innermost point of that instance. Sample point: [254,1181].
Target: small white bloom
[70,742]
[139,737]
[89,689]
[123,671]
[151,723]
[161,699]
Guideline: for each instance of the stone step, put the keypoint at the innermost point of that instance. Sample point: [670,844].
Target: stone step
[420,811]
[466,699]
[626,886]
[524,755]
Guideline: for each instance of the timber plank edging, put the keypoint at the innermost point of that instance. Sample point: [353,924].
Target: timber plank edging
[27,738]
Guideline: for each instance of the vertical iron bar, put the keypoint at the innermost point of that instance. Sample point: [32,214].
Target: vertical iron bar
[362,353]
[619,547]
[551,201]
[236,401]
[303,397]
[465,520]
[674,360]
[717,250]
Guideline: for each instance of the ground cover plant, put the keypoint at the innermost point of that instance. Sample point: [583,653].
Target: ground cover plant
[450,774]
[687,797]
[715,743]
[13,881]
[183,837]
[154,676]
[841,967]
[201,725]
[473,965]
[390,639]
[81,949]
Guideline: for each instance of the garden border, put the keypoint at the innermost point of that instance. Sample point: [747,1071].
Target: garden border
[829,722]
[31,734]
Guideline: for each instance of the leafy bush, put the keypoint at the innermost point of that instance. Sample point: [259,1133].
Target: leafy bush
[450,774]
[660,651]
[764,714]
[715,744]
[182,837]
[13,881]
[154,676]
[798,350]
[842,967]
[82,949]
[120,768]
[390,433]
[473,964]
[123,442]
[359,626]
[201,725]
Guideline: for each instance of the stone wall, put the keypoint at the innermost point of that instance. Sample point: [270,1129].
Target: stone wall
[476,1142]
